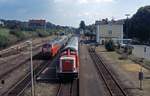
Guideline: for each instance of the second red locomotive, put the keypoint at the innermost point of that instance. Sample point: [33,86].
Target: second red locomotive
[52,48]
[68,66]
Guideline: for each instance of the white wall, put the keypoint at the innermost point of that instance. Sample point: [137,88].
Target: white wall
[138,51]
[102,31]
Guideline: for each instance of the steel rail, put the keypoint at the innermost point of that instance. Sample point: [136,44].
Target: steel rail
[114,88]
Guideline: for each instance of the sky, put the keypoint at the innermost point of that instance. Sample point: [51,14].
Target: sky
[69,12]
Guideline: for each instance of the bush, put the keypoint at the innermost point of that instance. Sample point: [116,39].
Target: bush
[12,39]
[123,57]
[9,37]
[42,33]
[6,41]
[3,41]
[109,45]
[4,35]
[128,50]
[20,35]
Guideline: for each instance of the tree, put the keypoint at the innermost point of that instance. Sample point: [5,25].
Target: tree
[109,45]
[139,24]
[82,25]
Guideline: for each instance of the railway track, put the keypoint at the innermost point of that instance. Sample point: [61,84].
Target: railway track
[14,66]
[19,88]
[68,88]
[16,61]
[112,85]
[19,55]
[16,49]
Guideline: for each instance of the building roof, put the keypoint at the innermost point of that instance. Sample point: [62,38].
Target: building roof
[112,22]
[41,22]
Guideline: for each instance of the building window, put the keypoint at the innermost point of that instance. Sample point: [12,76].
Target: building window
[110,32]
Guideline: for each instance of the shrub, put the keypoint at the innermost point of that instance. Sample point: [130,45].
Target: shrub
[130,51]
[4,35]
[123,57]
[20,35]
[12,39]
[3,41]
[42,33]
[109,45]
[9,37]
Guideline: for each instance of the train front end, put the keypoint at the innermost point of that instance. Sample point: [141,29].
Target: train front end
[68,68]
[46,49]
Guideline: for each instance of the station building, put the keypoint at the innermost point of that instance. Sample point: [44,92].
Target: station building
[106,30]
[37,24]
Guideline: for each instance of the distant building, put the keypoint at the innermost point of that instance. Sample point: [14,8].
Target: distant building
[24,25]
[1,23]
[37,24]
[106,30]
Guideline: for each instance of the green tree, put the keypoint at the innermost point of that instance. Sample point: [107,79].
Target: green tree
[109,45]
[82,25]
[139,24]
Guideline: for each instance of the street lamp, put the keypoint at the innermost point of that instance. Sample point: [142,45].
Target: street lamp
[31,66]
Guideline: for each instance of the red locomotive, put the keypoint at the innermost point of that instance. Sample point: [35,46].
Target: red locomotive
[52,48]
[68,66]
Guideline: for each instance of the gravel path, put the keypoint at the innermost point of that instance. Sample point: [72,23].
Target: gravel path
[90,83]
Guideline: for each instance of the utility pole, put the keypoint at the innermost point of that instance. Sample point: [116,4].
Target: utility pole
[127,15]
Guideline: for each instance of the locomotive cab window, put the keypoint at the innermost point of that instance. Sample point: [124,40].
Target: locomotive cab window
[67,62]
[46,45]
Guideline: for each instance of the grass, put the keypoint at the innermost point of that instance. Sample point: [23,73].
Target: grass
[126,64]
[131,60]
[114,56]
[147,62]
